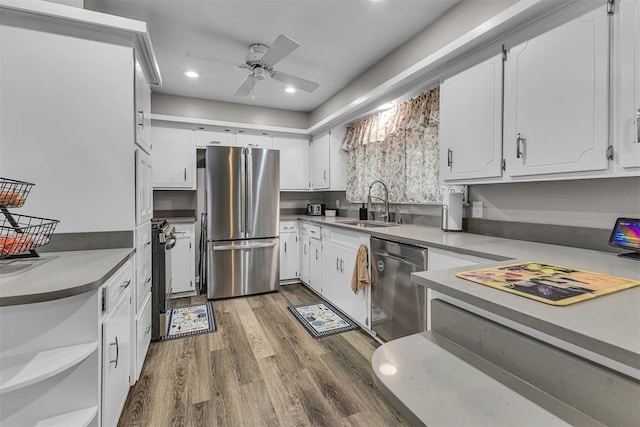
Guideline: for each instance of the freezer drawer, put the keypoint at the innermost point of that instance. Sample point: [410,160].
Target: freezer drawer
[243,267]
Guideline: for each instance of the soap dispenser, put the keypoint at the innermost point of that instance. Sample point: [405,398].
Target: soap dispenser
[363,213]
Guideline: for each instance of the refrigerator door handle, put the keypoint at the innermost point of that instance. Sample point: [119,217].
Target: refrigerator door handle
[249,211]
[243,194]
[243,247]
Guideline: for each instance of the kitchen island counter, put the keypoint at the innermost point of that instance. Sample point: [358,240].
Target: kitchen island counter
[58,275]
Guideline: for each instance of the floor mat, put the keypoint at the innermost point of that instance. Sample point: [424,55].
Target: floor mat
[321,319]
[190,320]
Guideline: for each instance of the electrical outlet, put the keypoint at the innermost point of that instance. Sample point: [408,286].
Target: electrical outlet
[477,210]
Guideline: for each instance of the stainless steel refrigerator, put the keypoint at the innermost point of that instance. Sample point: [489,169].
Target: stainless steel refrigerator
[243,215]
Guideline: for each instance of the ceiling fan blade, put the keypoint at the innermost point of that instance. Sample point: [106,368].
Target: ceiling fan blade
[280,48]
[297,82]
[206,57]
[245,87]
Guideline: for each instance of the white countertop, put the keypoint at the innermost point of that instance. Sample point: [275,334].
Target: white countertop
[57,274]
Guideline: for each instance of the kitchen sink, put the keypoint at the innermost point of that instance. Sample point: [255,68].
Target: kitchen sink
[368,224]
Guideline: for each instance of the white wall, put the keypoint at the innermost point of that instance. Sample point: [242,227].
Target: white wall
[226,111]
[66,124]
[594,203]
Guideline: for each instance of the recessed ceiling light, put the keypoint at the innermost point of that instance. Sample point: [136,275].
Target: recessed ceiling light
[386,106]
[290,89]
[191,74]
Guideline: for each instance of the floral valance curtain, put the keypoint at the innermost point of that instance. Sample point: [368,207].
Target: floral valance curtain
[399,147]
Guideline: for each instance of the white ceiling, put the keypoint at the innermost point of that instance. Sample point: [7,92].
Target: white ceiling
[339,40]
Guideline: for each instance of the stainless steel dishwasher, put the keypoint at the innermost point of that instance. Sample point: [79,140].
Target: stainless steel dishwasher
[398,306]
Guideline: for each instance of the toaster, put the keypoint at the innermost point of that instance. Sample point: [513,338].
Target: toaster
[316,209]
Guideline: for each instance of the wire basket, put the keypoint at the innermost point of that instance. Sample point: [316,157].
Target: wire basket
[23,233]
[13,193]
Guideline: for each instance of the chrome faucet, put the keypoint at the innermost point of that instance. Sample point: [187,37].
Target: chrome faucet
[386,216]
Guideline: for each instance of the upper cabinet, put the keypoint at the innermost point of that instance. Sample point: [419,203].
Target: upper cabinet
[556,98]
[206,137]
[319,160]
[173,158]
[337,159]
[253,141]
[471,122]
[626,129]
[142,109]
[294,169]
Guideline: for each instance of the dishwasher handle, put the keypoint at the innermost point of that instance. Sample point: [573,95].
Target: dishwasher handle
[397,258]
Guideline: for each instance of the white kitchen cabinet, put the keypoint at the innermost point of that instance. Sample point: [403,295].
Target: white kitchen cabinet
[294,167]
[305,256]
[116,351]
[142,108]
[173,158]
[144,187]
[253,141]
[438,259]
[183,260]
[142,335]
[315,264]
[471,123]
[289,253]
[319,161]
[556,98]
[339,252]
[626,131]
[337,159]
[207,137]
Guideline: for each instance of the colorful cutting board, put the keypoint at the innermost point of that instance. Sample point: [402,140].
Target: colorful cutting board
[548,283]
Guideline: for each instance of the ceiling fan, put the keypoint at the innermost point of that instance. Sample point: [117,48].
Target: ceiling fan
[260,61]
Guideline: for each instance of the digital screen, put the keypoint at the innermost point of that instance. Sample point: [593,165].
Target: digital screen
[626,234]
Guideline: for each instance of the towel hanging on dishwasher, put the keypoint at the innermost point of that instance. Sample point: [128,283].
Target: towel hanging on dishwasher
[360,277]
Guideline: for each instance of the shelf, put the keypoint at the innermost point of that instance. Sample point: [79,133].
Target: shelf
[21,370]
[81,417]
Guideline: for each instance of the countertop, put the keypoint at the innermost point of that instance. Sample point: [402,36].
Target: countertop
[58,275]
[608,325]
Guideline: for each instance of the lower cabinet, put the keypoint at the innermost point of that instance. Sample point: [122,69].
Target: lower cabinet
[315,264]
[143,334]
[289,252]
[116,348]
[339,253]
[183,259]
[305,256]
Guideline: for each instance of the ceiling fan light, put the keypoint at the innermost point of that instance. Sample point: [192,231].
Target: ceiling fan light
[290,89]
[191,74]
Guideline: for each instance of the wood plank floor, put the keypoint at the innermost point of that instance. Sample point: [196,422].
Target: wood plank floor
[261,368]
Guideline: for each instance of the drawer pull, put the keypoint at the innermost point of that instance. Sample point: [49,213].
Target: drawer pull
[117,353]
[147,243]
[126,284]
[147,280]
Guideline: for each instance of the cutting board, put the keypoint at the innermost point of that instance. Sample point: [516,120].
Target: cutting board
[550,284]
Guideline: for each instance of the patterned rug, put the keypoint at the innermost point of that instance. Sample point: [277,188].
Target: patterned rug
[190,320]
[321,319]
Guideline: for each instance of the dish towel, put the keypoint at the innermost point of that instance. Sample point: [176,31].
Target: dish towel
[360,277]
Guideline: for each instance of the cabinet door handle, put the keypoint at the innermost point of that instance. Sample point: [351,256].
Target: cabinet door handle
[141,124]
[147,280]
[304,249]
[147,243]
[147,329]
[316,254]
[520,141]
[185,174]
[285,247]
[117,353]
[324,175]
[337,264]
[449,157]
[341,265]
[126,284]
[638,126]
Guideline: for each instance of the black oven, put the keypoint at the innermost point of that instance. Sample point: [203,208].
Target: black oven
[162,241]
